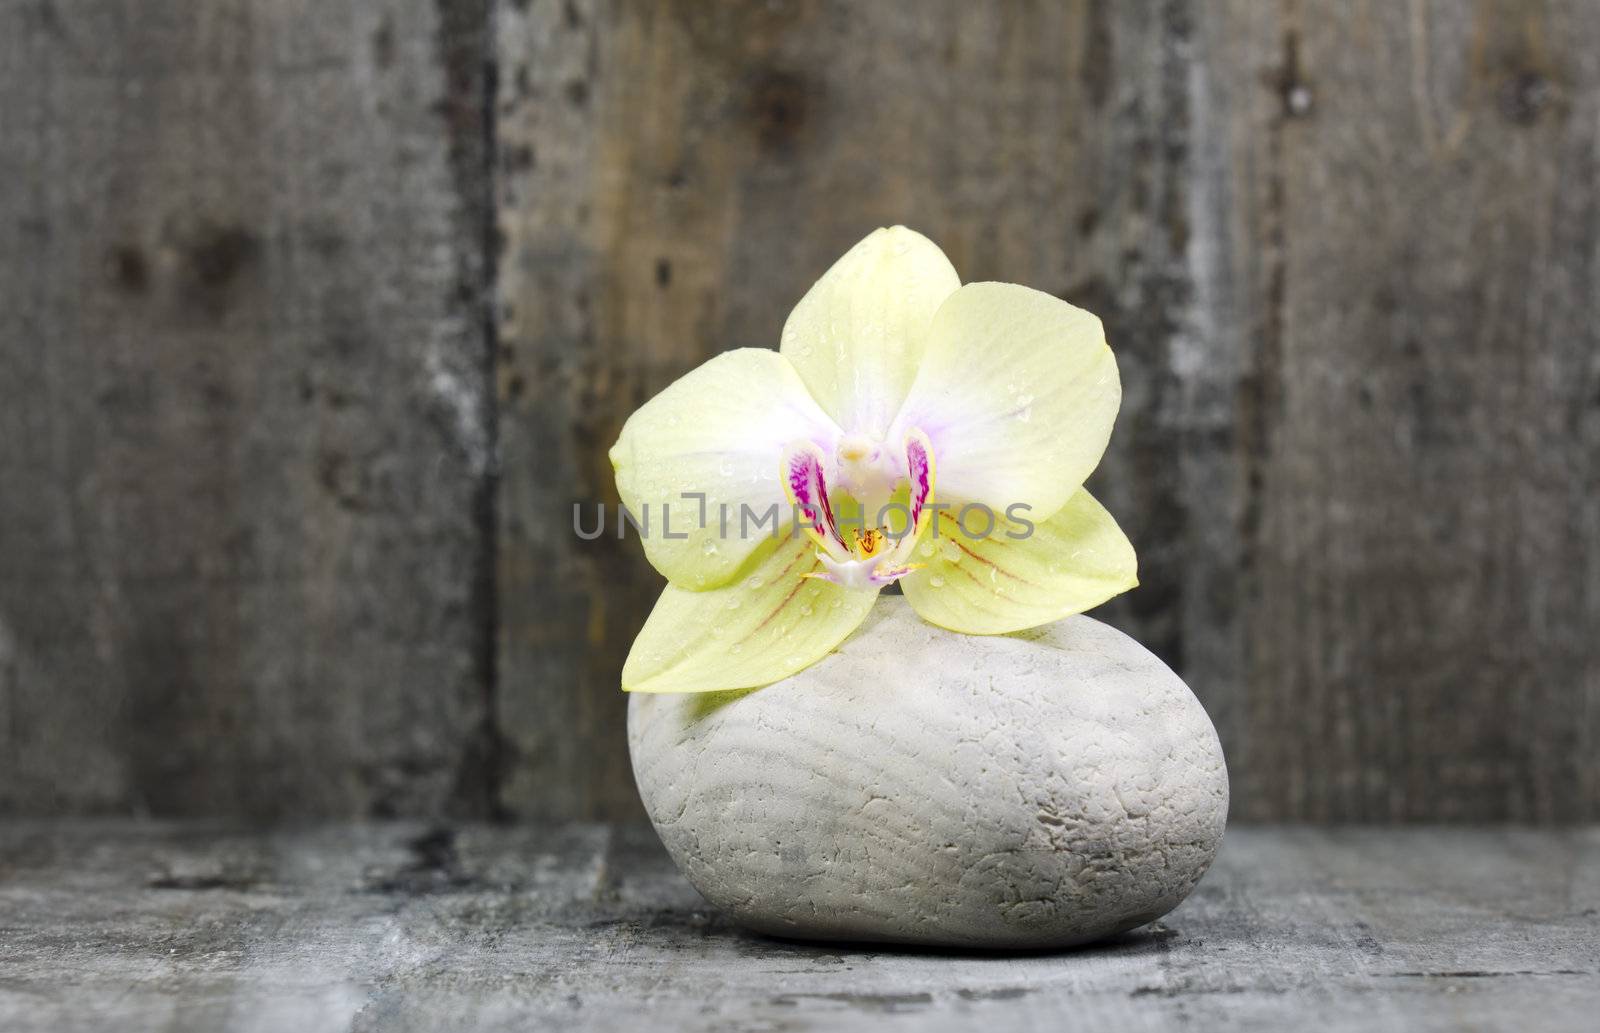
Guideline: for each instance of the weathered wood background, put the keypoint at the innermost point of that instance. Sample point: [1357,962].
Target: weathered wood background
[316,316]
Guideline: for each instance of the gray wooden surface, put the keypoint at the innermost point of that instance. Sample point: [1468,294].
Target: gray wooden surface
[178,927]
[1402,234]
[243,451]
[316,318]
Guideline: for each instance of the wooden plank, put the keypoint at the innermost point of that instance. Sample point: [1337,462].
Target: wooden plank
[672,177]
[244,438]
[1403,225]
[567,610]
[176,927]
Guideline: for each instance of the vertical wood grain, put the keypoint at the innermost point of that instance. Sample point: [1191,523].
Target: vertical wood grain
[243,432]
[1406,209]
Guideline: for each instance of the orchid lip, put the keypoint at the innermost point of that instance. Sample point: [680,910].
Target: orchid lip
[873,573]
[875,558]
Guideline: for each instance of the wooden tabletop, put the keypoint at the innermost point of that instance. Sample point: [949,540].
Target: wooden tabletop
[160,926]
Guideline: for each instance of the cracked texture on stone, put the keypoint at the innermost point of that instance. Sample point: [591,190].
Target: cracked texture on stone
[1042,789]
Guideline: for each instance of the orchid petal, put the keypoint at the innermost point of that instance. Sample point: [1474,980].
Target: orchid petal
[717,431]
[769,624]
[1017,393]
[858,335]
[1012,579]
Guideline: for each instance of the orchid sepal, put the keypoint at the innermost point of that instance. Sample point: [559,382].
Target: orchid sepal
[769,623]
[1010,581]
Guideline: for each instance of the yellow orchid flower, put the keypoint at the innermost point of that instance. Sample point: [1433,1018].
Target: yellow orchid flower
[890,373]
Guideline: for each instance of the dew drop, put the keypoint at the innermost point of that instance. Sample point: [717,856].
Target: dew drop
[936,581]
[754,582]
[709,547]
[733,603]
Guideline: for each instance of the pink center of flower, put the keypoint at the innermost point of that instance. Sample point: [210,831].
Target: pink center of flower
[874,556]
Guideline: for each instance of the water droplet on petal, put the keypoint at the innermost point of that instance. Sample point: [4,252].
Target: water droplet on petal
[733,603]
[936,581]
[753,583]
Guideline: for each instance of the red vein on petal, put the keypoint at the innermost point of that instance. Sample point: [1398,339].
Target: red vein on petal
[984,560]
[975,579]
[797,558]
[966,599]
[799,584]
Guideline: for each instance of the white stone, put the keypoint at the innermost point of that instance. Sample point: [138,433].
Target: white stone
[919,786]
